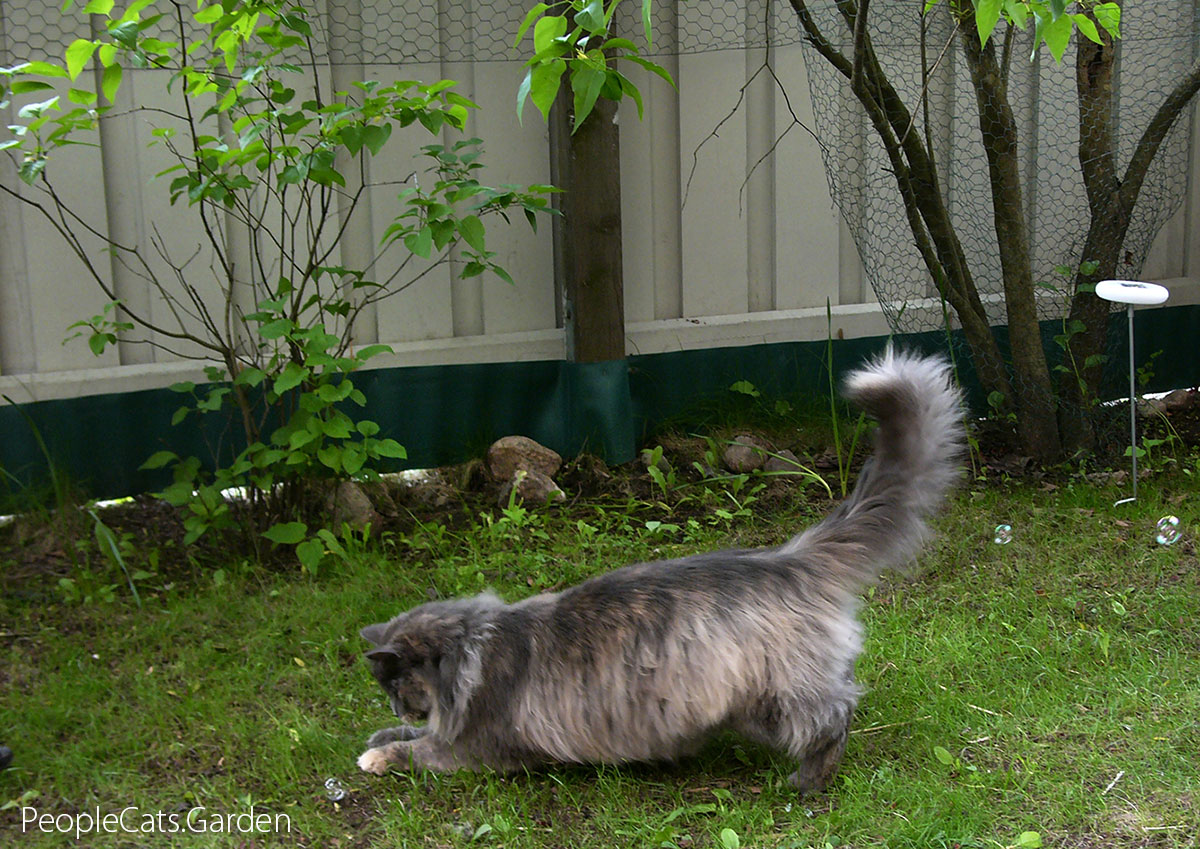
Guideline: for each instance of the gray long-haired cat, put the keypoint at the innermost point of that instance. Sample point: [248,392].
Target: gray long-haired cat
[644,663]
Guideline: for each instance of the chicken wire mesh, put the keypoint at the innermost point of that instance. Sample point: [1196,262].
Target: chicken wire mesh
[925,60]
[1156,50]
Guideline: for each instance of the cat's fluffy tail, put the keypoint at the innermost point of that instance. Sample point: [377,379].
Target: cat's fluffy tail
[918,451]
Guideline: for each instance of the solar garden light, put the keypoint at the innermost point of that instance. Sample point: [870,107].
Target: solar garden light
[1130,293]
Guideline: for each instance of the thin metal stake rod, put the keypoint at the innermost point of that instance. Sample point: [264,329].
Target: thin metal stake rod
[1132,411]
[1130,292]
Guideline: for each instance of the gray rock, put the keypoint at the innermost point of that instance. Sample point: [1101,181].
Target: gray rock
[433,494]
[786,461]
[512,453]
[1150,407]
[534,487]
[1180,399]
[746,454]
[350,505]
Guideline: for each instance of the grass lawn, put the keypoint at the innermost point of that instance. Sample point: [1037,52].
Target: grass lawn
[1050,685]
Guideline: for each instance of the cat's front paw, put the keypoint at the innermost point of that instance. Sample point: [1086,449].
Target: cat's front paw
[374,761]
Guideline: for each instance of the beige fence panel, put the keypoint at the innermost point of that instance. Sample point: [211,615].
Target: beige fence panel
[729,233]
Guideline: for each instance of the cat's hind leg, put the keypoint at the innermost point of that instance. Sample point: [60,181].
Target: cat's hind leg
[815,737]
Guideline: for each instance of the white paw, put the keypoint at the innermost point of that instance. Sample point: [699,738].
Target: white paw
[374,761]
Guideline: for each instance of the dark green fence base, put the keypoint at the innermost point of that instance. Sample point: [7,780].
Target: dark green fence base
[445,414]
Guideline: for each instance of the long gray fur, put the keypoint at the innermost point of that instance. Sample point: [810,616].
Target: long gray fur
[645,662]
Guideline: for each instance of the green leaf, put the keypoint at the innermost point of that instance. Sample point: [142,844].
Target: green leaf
[83,97]
[587,82]
[28,86]
[99,7]
[364,354]
[1087,28]
[178,493]
[471,230]
[159,459]
[591,17]
[503,275]
[1028,840]
[1017,12]
[286,533]
[536,12]
[43,69]
[300,438]
[1108,15]
[310,553]
[352,138]
[547,30]
[987,15]
[293,375]
[943,755]
[110,81]
[209,14]
[249,376]
[353,460]
[331,393]
[627,87]
[336,428]
[331,456]
[212,401]
[544,82]
[390,448]
[729,839]
[420,243]
[78,54]
[375,136]
[1057,34]
[523,94]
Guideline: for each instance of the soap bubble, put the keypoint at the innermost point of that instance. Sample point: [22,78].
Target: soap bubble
[334,791]
[1003,535]
[1168,530]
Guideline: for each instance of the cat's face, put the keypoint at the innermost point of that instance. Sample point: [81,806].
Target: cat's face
[404,666]
[406,685]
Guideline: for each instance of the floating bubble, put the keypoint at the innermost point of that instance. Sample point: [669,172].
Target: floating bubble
[334,791]
[1168,530]
[1003,535]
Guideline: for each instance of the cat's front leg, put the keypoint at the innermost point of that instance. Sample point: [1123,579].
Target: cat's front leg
[394,735]
[424,752]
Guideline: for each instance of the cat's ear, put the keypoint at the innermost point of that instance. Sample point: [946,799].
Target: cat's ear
[385,660]
[374,634]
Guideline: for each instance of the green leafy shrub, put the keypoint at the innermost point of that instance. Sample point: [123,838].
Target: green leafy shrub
[258,146]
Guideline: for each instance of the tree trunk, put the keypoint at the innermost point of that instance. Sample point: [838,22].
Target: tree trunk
[590,261]
[1037,424]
